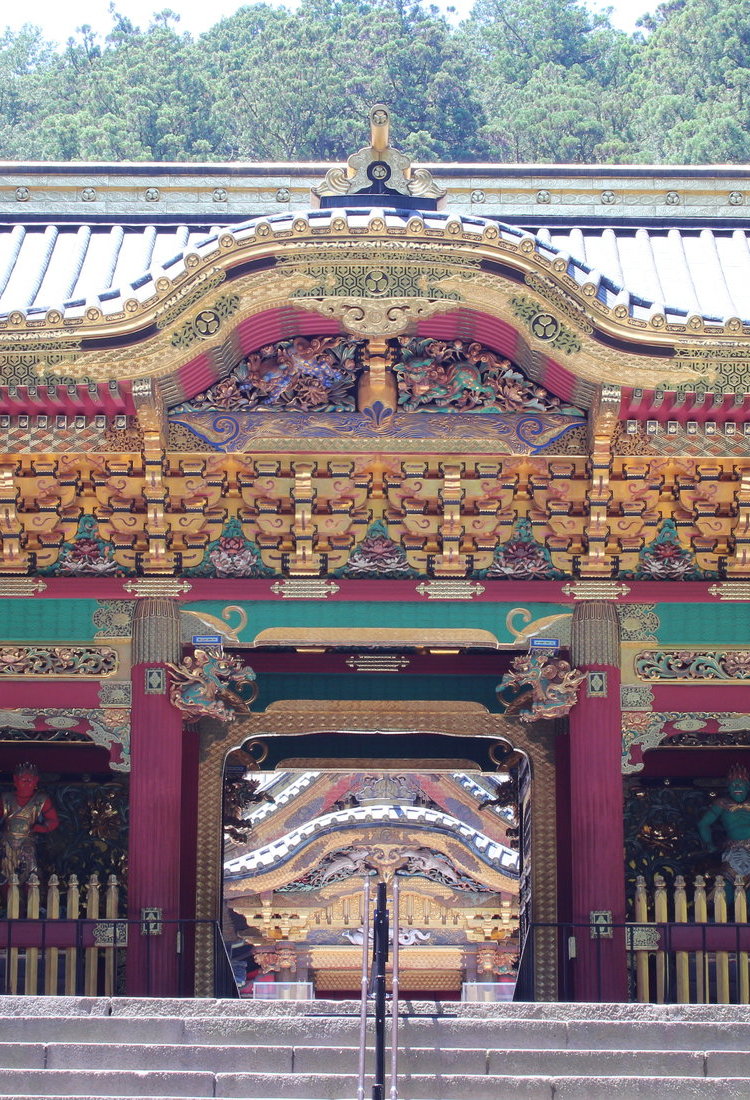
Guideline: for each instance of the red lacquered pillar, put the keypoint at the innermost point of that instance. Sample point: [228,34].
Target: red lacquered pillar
[155,803]
[596,806]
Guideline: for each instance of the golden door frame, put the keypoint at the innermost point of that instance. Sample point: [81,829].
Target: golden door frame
[297,717]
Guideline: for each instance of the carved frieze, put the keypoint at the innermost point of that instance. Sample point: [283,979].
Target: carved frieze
[108,727]
[58,661]
[693,666]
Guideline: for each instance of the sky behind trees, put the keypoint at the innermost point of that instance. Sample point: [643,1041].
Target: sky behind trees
[59,21]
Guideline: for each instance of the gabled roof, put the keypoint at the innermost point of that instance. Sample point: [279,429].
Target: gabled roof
[168,274]
[677,272]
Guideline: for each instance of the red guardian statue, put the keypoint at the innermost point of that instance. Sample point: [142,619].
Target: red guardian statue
[24,812]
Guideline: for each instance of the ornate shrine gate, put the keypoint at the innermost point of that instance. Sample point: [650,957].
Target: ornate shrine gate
[385,415]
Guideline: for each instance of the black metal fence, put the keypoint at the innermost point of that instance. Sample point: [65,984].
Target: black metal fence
[657,962]
[111,957]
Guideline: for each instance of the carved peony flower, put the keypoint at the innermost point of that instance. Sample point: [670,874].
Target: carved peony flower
[377,555]
[379,549]
[310,392]
[520,559]
[737,664]
[13,660]
[85,550]
[666,560]
[86,555]
[232,557]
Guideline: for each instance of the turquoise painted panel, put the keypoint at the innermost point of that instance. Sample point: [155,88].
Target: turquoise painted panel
[427,614]
[696,624]
[47,620]
[474,689]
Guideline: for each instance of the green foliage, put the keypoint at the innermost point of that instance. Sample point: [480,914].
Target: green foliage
[692,83]
[519,80]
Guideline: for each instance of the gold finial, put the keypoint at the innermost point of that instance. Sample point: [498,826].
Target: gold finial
[379,169]
[380,125]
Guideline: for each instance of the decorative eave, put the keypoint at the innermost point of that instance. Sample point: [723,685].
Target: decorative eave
[189,323]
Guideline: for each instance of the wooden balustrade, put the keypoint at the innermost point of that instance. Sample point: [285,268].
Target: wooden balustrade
[55,942]
[690,945]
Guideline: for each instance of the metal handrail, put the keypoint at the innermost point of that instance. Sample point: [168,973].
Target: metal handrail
[394,997]
[374,985]
[377,988]
[364,987]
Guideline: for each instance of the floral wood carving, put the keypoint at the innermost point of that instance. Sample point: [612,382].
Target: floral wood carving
[378,555]
[200,686]
[231,555]
[671,664]
[522,557]
[26,660]
[666,559]
[87,554]
[316,374]
[459,376]
[551,686]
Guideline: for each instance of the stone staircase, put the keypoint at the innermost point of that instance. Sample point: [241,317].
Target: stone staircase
[99,1048]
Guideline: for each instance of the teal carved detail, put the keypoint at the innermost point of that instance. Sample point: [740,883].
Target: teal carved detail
[665,559]
[378,555]
[231,555]
[522,557]
[88,555]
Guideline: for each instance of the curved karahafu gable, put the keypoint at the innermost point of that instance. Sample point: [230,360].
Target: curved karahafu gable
[372,274]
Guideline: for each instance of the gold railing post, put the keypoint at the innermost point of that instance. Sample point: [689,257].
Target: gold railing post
[52,954]
[661,917]
[31,954]
[702,991]
[14,912]
[641,957]
[92,913]
[721,957]
[72,912]
[111,900]
[740,917]
[682,959]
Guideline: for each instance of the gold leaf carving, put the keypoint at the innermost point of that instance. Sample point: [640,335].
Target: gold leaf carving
[366,317]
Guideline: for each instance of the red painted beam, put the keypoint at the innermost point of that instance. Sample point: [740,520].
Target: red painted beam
[705,762]
[718,407]
[390,591]
[718,696]
[41,694]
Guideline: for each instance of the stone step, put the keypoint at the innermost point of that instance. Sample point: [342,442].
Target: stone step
[80,1082]
[203,1007]
[81,1048]
[291,1031]
[284,1060]
[265,1086]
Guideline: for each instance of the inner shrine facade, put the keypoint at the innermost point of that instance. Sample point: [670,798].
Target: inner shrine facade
[427,489]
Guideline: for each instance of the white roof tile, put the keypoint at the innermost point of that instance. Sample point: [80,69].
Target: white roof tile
[688,270]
